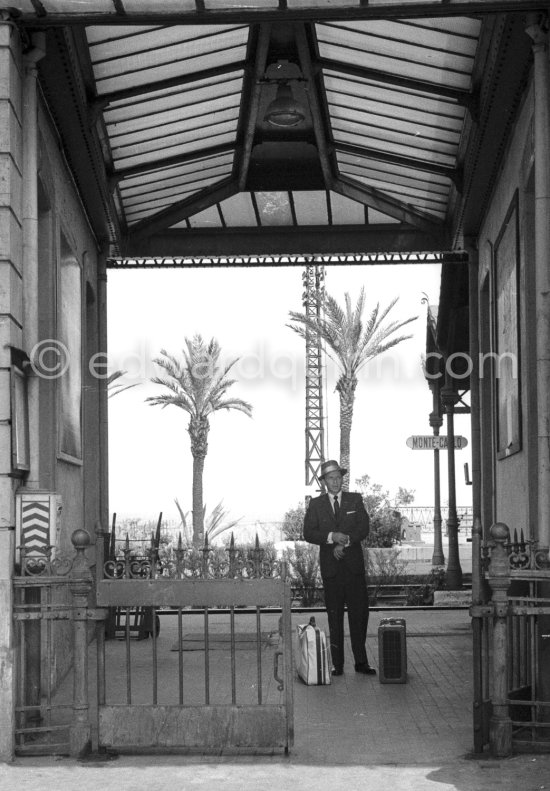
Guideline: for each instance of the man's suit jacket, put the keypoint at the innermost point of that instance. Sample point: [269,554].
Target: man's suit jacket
[353,520]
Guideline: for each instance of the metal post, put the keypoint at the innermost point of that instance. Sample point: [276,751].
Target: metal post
[500,727]
[436,421]
[80,586]
[449,398]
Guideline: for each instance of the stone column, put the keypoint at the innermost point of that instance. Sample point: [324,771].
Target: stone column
[10,334]
[541,123]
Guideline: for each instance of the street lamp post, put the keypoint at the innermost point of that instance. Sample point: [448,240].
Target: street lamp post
[436,421]
[449,398]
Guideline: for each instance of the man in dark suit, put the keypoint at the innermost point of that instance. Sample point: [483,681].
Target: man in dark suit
[338,522]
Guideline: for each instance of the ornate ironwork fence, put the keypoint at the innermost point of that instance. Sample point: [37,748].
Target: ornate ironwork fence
[511,629]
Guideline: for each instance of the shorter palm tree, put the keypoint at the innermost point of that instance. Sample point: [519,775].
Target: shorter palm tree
[198,385]
[215,523]
[350,343]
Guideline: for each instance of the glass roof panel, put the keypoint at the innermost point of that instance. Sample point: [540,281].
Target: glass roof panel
[112,43]
[163,54]
[395,48]
[25,6]
[418,35]
[378,218]
[239,4]
[419,200]
[419,71]
[86,6]
[100,33]
[171,128]
[153,102]
[168,122]
[352,90]
[392,173]
[238,211]
[343,128]
[208,218]
[169,177]
[320,3]
[173,195]
[186,147]
[406,192]
[137,6]
[356,119]
[403,148]
[457,25]
[274,208]
[310,207]
[346,211]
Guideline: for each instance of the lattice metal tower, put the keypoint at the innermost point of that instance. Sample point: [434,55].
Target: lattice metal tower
[314,288]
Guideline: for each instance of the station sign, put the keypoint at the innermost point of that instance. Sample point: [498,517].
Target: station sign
[429,442]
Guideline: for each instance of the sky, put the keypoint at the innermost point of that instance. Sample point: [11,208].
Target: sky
[256,466]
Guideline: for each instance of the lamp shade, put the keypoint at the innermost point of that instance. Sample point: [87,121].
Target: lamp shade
[284,110]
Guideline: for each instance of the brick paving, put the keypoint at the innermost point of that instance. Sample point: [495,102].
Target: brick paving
[354,734]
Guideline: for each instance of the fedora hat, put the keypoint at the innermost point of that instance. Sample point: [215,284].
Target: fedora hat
[331,466]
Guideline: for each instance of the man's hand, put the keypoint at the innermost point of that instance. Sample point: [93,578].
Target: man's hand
[338,551]
[340,538]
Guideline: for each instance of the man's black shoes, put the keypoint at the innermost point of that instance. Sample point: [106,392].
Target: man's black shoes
[337,671]
[363,667]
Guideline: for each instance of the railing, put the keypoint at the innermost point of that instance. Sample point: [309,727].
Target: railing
[511,644]
[218,687]
[51,610]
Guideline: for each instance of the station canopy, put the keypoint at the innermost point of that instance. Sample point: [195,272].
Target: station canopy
[261,127]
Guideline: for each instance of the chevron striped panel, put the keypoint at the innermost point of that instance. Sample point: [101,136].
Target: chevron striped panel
[35,525]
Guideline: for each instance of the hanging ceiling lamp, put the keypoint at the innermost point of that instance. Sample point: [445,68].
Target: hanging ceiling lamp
[284,110]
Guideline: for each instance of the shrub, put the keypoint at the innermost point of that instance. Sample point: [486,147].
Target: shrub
[303,564]
[293,523]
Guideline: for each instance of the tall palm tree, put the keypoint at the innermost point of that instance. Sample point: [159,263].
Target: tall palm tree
[350,343]
[198,385]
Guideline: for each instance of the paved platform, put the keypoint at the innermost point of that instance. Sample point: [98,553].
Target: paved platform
[354,734]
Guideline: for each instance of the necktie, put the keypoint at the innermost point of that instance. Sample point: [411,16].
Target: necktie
[336,507]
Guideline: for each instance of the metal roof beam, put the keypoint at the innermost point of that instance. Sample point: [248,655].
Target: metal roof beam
[462,97]
[287,240]
[354,11]
[178,159]
[387,205]
[105,99]
[182,209]
[251,106]
[320,129]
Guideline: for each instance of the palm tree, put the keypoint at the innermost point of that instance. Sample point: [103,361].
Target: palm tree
[215,523]
[114,387]
[198,385]
[350,343]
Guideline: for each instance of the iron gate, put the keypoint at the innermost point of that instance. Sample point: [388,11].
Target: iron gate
[214,689]
[52,614]
[511,643]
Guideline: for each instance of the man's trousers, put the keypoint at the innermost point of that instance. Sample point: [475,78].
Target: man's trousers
[351,590]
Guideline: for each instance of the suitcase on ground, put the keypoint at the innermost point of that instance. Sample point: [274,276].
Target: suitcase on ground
[313,661]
